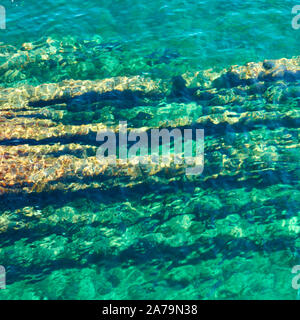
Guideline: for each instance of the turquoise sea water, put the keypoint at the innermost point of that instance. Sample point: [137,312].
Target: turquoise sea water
[190,35]
[231,237]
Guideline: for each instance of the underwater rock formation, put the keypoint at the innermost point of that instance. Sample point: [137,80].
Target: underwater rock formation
[48,132]
[62,207]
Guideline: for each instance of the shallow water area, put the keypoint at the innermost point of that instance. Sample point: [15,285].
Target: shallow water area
[71,228]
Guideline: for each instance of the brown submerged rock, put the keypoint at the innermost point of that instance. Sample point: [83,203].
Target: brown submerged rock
[43,147]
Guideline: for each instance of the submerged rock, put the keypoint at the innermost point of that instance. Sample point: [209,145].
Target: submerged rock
[48,132]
